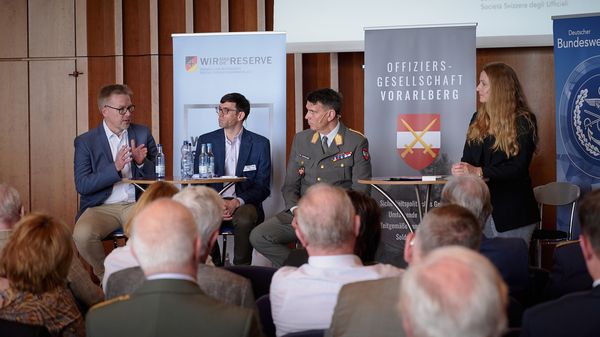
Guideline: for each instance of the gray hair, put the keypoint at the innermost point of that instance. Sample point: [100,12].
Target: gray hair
[470,192]
[326,216]
[448,225]
[10,205]
[453,292]
[163,236]
[207,208]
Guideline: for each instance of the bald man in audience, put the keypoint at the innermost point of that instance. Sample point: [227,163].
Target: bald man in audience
[207,208]
[327,225]
[367,308]
[453,292]
[574,314]
[79,282]
[169,303]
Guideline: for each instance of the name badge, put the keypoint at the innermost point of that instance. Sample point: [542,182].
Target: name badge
[249,168]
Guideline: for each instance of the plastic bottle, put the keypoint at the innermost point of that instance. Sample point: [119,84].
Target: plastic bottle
[186,162]
[211,161]
[160,163]
[203,162]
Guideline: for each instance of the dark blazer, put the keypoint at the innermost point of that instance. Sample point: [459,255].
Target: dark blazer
[169,307]
[254,163]
[574,315]
[511,258]
[508,179]
[95,172]
[569,273]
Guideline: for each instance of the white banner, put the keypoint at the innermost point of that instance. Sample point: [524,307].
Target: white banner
[208,66]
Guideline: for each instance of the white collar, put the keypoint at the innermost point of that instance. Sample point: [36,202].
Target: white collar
[171,276]
[326,261]
[330,136]
[109,132]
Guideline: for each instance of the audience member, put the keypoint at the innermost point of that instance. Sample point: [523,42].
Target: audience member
[79,281]
[114,150]
[122,258]
[207,209]
[166,242]
[368,237]
[453,292]
[354,316]
[303,298]
[509,255]
[569,273]
[36,261]
[242,153]
[329,153]
[574,314]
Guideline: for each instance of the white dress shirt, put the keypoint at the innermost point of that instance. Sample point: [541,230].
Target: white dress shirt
[121,192]
[304,298]
[232,152]
[119,258]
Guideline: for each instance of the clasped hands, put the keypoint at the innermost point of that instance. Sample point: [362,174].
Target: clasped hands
[126,154]
[229,207]
[463,168]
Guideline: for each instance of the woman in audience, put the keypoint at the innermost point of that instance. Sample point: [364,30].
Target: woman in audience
[501,141]
[35,262]
[121,258]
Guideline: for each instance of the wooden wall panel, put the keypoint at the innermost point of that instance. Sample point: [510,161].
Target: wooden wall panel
[290,104]
[351,83]
[100,28]
[316,74]
[136,27]
[269,9]
[14,118]
[101,72]
[51,28]
[13,29]
[53,127]
[136,73]
[171,20]
[207,16]
[243,15]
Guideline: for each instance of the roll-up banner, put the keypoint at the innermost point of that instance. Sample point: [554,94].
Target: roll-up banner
[577,78]
[419,98]
[208,66]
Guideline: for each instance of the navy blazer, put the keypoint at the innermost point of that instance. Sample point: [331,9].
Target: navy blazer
[569,272]
[571,315]
[511,258]
[94,166]
[254,163]
[508,179]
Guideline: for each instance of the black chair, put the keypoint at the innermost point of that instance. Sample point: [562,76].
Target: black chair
[263,305]
[259,276]
[115,236]
[307,333]
[15,329]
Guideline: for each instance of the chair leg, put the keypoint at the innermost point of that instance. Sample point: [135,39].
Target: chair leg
[538,250]
[224,249]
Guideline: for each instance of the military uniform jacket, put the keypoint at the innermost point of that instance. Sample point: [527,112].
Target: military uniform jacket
[345,162]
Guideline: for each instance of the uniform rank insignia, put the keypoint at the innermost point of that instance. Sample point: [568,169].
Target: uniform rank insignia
[365,152]
[341,156]
[301,171]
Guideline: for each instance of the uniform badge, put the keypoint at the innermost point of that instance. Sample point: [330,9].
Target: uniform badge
[301,171]
[418,139]
[343,155]
[365,153]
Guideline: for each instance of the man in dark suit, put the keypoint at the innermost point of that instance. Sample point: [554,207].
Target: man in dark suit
[574,314]
[169,303]
[242,153]
[114,150]
[569,272]
[327,153]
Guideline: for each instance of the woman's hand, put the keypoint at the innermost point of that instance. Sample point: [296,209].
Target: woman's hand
[463,168]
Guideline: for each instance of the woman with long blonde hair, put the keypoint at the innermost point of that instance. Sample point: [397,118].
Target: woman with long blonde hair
[501,141]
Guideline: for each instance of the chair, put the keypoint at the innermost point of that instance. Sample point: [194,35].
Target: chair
[554,194]
[225,232]
[15,329]
[263,304]
[259,276]
[115,236]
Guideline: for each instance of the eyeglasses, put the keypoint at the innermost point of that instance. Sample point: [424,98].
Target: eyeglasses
[224,111]
[122,110]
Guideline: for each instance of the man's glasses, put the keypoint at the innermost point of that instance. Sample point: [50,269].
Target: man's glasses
[224,111]
[121,111]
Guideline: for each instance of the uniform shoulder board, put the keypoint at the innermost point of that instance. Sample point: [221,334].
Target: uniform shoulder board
[357,132]
[111,301]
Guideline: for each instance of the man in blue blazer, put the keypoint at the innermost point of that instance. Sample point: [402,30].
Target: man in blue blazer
[239,152]
[574,314]
[114,150]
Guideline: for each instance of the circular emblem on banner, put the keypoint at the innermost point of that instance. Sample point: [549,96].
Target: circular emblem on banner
[579,116]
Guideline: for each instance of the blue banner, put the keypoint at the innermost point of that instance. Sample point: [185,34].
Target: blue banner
[577,76]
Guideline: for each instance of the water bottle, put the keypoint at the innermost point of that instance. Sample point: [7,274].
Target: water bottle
[186,164]
[160,163]
[203,162]
[211,161]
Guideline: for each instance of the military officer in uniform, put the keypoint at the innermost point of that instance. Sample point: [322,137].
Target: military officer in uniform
[329,153]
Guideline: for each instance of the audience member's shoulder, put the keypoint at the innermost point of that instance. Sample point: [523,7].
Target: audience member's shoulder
[386,270]
[221,273]
[558,305]
[105,305]
[286,271]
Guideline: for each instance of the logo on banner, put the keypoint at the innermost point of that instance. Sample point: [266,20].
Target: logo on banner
[418,139]
[191,63]
[586,119]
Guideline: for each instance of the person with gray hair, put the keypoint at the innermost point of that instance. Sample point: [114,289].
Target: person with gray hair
[303,298]
[509,255]
[206,208]
[167,244]
[11,211]
[453,292]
